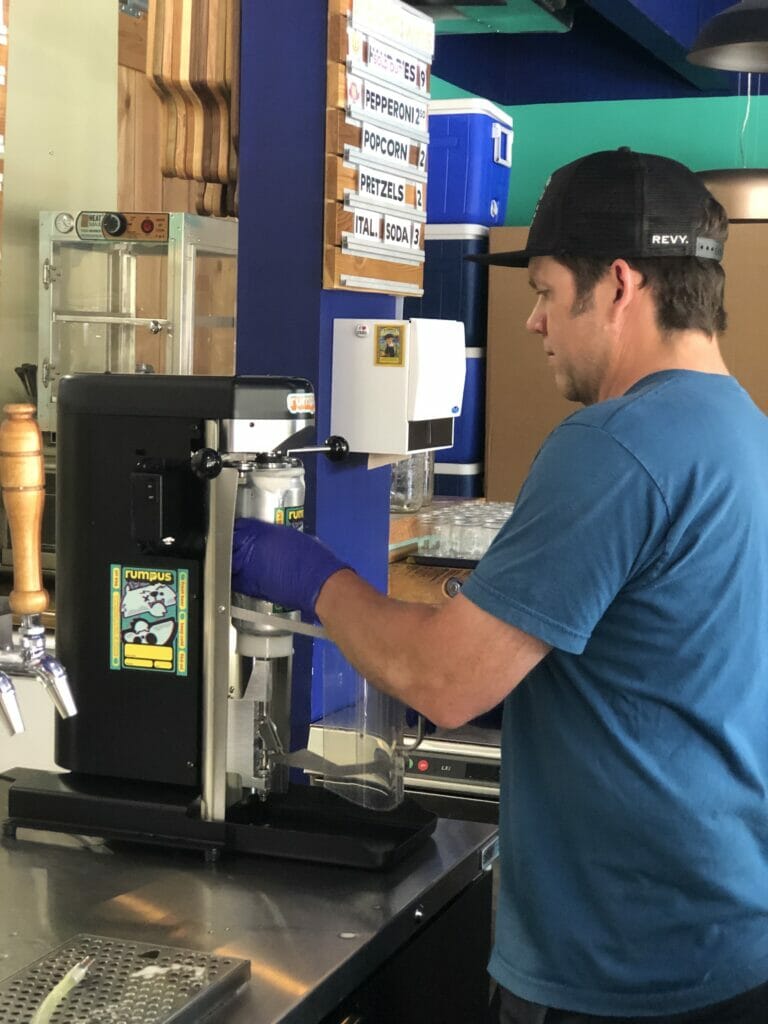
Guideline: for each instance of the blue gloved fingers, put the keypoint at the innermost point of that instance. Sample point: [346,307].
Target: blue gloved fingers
[280,564]
[246,539]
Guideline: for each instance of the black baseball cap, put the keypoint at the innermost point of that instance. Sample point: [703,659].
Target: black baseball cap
[617,204]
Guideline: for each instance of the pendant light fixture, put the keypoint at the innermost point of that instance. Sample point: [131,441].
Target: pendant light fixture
[734,40]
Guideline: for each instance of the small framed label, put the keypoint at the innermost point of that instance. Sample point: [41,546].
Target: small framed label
[389,340]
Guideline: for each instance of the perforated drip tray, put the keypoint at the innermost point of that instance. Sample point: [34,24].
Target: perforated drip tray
[128,983]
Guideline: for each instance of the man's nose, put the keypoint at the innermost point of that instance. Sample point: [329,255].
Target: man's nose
[536,322]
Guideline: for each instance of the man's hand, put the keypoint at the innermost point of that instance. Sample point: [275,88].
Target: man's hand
[280,564]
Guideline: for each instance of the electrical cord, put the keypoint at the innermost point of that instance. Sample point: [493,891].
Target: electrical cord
[61,990]
[745,122]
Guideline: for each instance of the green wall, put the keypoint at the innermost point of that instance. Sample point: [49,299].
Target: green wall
[704,133]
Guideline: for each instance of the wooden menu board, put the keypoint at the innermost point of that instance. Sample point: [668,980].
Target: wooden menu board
[379,57]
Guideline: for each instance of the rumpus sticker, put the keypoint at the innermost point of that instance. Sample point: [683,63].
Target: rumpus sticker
[149,618]
[390,345]
[290,515]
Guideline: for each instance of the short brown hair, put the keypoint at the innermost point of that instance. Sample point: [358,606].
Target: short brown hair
[688,290]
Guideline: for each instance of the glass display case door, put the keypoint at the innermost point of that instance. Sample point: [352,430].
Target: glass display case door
[203,297]
[103,309]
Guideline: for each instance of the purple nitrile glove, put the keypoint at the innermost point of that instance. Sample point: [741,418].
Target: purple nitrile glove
[280,564]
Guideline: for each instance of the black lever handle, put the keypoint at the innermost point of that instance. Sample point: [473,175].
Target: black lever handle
[335,447]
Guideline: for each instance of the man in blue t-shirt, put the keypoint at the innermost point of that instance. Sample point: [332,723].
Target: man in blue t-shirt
[622,615]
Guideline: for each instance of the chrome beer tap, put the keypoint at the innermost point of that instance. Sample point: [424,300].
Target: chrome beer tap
[9,706]
[22,478]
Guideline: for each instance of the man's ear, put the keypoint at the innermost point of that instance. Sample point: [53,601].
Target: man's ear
[625,283]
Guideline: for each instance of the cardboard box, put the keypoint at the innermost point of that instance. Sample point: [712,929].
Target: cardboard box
[522,404]
[744,344]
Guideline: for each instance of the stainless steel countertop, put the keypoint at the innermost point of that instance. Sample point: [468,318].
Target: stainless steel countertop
[313,933]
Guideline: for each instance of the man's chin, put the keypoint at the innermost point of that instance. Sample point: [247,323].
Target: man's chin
[566,388]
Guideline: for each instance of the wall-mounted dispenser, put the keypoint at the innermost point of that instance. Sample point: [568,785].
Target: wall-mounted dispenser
[397,385]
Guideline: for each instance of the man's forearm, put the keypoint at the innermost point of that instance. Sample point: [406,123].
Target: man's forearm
[380,637]
[451,662]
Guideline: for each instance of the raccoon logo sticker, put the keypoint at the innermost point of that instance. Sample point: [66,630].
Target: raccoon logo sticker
[149,619]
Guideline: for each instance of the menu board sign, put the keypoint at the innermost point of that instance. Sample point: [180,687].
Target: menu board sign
[390,64]
[378,103]
[379,56]
[395,23]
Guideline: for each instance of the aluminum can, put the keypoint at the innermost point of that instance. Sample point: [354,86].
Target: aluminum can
[270,488]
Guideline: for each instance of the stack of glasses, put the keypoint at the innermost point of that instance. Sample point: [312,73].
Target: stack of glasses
[462,533]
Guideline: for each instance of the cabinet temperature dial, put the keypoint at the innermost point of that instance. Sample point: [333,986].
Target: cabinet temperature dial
[114,224]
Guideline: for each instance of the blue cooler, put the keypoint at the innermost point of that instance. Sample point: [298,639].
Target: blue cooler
[470,156]
[454,288]
[469,427]
[459,480]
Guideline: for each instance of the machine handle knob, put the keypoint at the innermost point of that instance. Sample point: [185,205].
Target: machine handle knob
[22,477]
[338,448]
[206,463]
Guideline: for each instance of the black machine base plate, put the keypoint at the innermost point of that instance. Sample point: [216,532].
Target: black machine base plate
[306,823]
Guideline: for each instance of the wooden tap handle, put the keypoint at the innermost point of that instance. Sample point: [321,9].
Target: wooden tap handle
[22,476]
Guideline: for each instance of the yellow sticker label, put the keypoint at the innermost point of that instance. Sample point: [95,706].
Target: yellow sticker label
[389,345]
[149,619]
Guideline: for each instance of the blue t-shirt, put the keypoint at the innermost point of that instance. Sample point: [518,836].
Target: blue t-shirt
[634,808]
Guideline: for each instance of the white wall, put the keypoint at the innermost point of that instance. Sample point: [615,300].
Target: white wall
[33,748]
[61,147]
[61,153]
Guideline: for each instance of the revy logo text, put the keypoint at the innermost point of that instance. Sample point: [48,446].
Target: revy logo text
[669,239]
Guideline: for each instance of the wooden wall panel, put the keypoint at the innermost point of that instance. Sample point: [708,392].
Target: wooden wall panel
[132,42]
[141,185]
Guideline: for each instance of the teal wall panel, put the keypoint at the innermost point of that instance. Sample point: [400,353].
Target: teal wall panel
[702,132]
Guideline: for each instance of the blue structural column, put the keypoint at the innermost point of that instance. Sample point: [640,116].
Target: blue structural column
[284,316]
